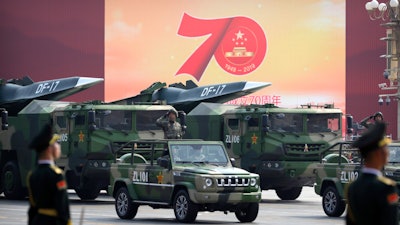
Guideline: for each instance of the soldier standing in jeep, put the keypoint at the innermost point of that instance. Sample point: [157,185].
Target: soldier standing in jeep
[373,198]
[172,128]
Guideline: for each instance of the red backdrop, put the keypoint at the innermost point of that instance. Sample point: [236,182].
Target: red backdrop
[364,68]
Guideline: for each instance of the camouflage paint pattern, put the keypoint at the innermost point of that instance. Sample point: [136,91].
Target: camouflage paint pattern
[152,184]
[283,157]
[87,151]
[339,166]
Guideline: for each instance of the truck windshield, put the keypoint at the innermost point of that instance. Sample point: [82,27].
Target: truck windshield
[208,153]
[319,123]
[114,119]
[286,122]
[394,154]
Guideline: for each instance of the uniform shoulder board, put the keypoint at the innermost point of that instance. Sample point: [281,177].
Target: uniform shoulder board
[56,169]
[387,181]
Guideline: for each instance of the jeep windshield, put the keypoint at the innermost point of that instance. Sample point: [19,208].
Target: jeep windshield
[394,154]
[198,153]
[114,120]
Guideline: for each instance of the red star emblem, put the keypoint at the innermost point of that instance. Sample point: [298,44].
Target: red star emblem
[160,178]
[81,136]
[254,139]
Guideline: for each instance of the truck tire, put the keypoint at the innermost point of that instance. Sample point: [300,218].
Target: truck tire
[289,194]
[332,203]
[124,206]
[11,180]
[247,214]
[185,210]
[87,194]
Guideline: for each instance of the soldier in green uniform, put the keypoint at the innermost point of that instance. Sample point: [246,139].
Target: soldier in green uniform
[372,198]
[172,128]
[377,117]
[47,187]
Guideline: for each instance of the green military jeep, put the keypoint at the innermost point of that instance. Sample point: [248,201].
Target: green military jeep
[186,175]
[392,169]
[338,166]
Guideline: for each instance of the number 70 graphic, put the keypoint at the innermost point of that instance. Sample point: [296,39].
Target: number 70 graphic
[238,44]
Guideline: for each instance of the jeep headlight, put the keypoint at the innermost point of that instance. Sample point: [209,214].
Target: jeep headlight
[208,182]
[253,181]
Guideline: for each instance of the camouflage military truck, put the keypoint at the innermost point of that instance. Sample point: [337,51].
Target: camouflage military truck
[339,165]
[281,145]
[186,175]
[90,132]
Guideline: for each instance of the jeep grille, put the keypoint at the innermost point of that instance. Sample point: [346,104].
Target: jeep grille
[233,182]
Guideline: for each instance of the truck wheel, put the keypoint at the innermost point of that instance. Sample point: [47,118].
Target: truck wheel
[289,194]
[11,180]
[332,203]
[185,210]
[87,194]
[124,206]
[248,214]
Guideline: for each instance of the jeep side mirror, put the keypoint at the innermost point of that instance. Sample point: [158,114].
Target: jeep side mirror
[233,162]
[92,120]
[264,119]
[163,162]
[4,120]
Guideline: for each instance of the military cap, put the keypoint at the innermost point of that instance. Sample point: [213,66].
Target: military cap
[44,139]
[378,114]
[372,139]
[173,111]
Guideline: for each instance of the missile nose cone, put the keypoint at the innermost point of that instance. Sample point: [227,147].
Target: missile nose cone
[88,81]
[250,85]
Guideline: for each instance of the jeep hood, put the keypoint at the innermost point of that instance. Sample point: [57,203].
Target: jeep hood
[213,170]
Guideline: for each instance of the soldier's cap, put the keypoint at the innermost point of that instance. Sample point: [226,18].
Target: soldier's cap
[173,111]
[44,139]
[378,114]
[373,139]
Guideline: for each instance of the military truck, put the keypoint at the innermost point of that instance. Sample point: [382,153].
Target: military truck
[186,175]
[280,144]
[90,132]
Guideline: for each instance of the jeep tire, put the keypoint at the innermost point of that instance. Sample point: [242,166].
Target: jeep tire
[247,214]
[332,203]
[185,210]
[124,206]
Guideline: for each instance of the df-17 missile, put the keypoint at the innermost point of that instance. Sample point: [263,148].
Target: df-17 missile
[186,97]
[15,94]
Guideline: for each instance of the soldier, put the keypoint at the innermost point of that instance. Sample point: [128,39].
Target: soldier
[377,117]
[372,198]
[172,129]
[47,187]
